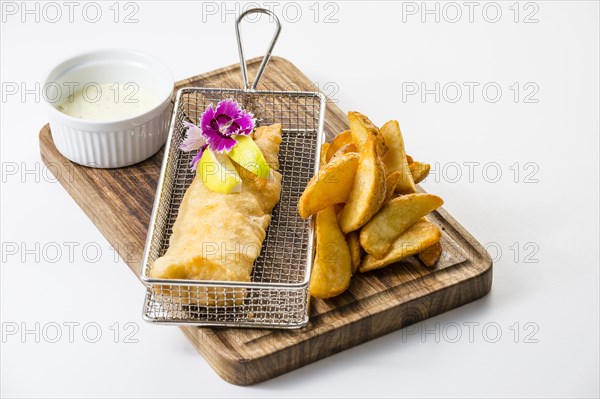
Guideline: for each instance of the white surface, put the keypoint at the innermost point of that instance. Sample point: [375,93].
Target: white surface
[559,213]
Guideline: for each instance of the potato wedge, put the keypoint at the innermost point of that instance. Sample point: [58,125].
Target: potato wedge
[395,218]
[355,250]
[368,190]
[430,255]
[332,267]
[390,185]
[395,158]
[322,155]
[331,185]
[338,208]
[338,142]
[362,127]
[350,147]
[419,171]
[421,235]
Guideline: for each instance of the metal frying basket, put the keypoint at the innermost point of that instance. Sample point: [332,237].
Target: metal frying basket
[277,295]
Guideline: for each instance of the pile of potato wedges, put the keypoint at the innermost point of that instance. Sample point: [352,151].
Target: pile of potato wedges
[367,209]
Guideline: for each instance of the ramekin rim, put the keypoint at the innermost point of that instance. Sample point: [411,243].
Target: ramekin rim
[103,125]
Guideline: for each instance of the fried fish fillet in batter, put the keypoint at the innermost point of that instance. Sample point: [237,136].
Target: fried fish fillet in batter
[219,236]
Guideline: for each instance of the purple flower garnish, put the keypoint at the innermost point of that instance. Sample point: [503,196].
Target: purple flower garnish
[217,128]
[193,138]
[220,124]
[196,159]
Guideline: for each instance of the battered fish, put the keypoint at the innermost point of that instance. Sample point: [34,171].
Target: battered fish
[219,236]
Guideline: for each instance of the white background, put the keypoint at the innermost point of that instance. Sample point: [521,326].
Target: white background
[370,56]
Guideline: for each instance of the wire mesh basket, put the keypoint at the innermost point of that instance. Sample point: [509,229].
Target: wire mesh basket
[277,295]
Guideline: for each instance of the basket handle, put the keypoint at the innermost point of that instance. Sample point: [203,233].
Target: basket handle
[267,56]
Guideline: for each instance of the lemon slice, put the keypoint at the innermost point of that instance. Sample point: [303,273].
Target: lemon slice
[218,173]
[247,154]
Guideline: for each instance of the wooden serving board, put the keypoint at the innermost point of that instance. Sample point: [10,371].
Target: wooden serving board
[119,202]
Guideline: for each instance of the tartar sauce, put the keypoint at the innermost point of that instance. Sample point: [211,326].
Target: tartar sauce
[108,101]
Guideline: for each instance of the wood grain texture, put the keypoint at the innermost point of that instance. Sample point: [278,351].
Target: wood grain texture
[119,202]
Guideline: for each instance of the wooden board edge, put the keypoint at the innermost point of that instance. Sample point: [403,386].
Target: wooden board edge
[100,207]
[244,372]
[226,364]
[191,81]
[188,82]
[460,234]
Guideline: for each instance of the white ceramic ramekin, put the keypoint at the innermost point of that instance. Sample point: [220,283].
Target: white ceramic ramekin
[113,143]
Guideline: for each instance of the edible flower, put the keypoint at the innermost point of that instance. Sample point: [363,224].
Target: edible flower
[218,127]
[193,138]
[220,124]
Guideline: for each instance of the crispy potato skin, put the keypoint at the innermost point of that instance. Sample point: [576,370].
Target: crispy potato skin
[350,147]
[390,185]
[396,216]
[361,128]
[421,235]
[356,250]
[430,255]
[338,142]
[419,171]
[331,185]
[395,159]
[332,268]
[368,191]
[322,155]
